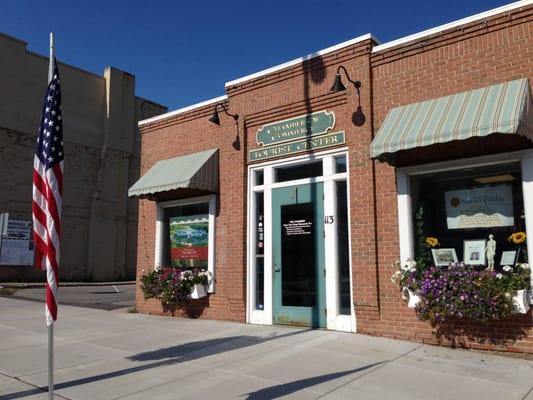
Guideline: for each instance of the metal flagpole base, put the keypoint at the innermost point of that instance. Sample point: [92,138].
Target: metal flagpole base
[51,362]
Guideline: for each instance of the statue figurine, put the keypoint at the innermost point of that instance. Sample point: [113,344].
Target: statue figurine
[490,251]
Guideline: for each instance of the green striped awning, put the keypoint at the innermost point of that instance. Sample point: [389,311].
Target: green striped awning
[192,171]
[502,108]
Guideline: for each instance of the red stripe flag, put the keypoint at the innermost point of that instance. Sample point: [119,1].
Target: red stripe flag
[47,192]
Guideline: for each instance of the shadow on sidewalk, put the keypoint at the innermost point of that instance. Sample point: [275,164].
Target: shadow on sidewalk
[274,392]
[163,357]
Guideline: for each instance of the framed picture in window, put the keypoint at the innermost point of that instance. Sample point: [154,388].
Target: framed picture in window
[474,252]
[443,257]
[509,257]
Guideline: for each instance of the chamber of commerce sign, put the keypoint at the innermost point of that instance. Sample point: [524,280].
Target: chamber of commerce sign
[298,146]
[305,126]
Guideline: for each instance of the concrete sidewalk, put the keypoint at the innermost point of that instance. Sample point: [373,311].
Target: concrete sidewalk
[111,355]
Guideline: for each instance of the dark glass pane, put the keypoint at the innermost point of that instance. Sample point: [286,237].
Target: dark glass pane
[444,203]
[298,277]
[259,283]
[340,164]
[343,248]
[259,178]
[259,251]
[259,224]
[299,172]
[182,211]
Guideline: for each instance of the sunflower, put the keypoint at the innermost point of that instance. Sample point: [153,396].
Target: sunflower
[517,237]
[432,242]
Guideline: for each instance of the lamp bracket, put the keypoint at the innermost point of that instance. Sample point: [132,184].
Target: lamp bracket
[357,84]
[235,116]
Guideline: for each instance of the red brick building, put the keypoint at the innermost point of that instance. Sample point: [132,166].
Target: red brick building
[310,195]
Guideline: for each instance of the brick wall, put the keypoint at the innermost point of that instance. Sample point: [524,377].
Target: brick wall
[185,134]
[477,55]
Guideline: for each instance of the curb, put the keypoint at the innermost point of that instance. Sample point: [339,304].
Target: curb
[34,285]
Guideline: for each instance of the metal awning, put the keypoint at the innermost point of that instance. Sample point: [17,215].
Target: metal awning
[504,108]
[192,171]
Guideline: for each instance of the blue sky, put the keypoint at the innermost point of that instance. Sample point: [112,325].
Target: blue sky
[182,52]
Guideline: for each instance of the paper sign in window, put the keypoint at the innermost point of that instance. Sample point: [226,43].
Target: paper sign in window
[189,238]
[482,207]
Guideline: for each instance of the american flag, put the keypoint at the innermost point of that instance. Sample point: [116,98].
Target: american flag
[47,192]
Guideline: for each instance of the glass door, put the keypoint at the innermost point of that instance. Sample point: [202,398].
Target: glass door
[299,296]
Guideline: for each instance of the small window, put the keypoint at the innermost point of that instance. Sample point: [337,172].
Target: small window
[340,164]
[300,171]
[258,178]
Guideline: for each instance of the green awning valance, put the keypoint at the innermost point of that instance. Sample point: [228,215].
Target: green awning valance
[192,171]
[503,108]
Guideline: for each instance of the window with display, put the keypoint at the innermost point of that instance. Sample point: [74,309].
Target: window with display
[473,215]
[186,234]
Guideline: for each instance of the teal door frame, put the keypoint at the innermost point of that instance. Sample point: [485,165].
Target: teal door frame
[313,316]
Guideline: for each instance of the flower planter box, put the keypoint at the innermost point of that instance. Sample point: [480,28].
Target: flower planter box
[414,299]
[198,291]
[521,301]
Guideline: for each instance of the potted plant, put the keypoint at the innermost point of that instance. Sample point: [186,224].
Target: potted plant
[406,277]
[517,281]
[462,292]
[174,286]
[196,282]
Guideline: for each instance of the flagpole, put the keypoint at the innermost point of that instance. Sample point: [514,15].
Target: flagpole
[51,326]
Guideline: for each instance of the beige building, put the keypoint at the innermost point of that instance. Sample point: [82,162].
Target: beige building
[102,153]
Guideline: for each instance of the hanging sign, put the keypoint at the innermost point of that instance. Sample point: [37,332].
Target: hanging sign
[297,146]
[189,238]
[304,126]
[483,207]
[16,241]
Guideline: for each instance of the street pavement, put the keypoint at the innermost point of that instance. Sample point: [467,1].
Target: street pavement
[105,297]
[103,354]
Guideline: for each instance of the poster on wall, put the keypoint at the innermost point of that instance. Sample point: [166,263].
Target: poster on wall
[189,238]
[483,207]
[16,242]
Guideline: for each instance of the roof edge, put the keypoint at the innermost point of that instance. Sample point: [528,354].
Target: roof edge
[181,110]
[300,60]
[449,25]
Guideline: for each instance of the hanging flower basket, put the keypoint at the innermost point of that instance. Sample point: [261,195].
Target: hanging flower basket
[175,286]
[198,291]
[414,299]
[521,301]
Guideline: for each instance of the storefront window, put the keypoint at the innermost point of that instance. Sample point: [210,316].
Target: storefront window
[472,213]
[185,234]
